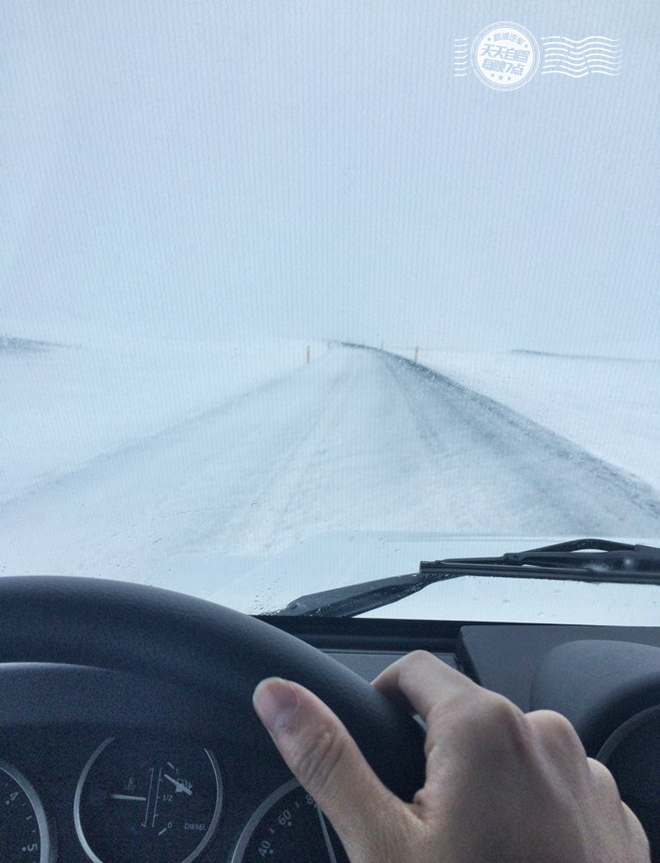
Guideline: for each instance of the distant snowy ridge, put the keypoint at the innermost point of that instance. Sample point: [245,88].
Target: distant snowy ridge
[599,357]
[12,343]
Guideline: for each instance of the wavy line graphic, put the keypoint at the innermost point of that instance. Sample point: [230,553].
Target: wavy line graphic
[580,41]
[579,57]
[562,72]
[595,61]
[461,48]
[560,50]
[554,52]
[591,58]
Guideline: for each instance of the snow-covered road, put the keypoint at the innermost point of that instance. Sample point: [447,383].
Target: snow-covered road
[356,440]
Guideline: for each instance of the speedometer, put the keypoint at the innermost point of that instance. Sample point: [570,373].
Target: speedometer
[23,826]
[147,801]
[289,827]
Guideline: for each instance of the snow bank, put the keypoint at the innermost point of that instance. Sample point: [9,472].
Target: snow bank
[610,406]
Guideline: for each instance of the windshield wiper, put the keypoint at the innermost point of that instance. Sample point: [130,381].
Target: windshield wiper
[591,560]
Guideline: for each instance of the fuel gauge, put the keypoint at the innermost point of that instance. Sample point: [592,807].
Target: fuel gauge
[138,803]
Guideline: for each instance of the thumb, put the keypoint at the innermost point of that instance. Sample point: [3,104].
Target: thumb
[327,762]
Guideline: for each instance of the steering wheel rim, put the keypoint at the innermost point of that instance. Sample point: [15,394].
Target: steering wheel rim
[155,632]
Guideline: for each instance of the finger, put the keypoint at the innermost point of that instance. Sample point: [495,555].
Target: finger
[602,776]
[423,682]
[556,736]
[639,839]
[608,790]
[327,762]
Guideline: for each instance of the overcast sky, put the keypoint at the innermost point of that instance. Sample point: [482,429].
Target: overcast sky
[315,169]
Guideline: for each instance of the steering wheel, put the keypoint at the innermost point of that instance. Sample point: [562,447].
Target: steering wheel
[172,637]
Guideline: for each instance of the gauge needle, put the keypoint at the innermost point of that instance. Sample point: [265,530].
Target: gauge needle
[178,785]
[328,843]
[126,797]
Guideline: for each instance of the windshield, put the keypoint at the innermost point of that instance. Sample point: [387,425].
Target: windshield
[293,295]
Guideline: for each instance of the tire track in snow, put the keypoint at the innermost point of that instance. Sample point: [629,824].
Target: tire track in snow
[265,524]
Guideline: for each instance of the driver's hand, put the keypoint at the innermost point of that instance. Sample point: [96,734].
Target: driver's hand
[502,786]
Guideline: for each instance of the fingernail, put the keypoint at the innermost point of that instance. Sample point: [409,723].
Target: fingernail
[275,701]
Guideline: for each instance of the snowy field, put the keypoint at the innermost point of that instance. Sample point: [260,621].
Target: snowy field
[72,395]
[195,465]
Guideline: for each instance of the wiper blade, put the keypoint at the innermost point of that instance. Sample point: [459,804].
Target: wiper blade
[603,555]
[591,560]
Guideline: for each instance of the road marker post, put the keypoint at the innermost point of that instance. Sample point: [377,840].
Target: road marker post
[307,353]
[416,353]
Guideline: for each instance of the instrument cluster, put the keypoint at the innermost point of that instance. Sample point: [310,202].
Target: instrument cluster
[139,798]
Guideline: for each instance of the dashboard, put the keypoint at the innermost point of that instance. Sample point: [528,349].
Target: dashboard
[108,766]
